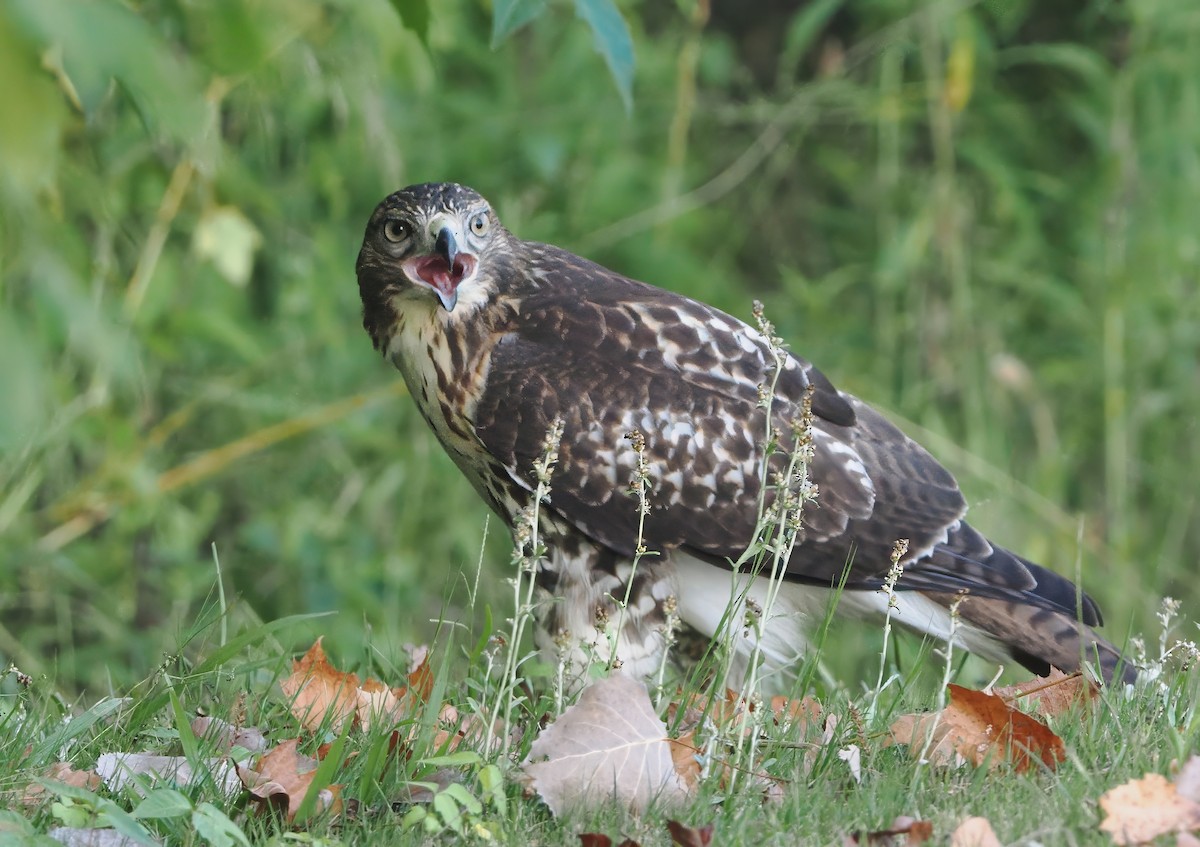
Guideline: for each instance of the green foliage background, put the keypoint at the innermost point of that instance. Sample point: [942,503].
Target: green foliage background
[982,217]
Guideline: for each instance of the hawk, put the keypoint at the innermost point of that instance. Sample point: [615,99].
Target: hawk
[498,338]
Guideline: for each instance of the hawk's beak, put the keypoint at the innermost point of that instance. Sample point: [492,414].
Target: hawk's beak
[445,246]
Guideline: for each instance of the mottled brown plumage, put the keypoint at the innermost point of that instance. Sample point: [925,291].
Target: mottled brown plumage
[496,337]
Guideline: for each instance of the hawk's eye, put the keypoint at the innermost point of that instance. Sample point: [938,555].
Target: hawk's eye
[479,223]
[395,230]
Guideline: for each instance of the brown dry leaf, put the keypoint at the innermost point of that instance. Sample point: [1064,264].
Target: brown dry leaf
[974,832]
[598,839]
[914,832]
[683,755]
[594,839]
[35,793]
[800,714]
[1143,809]
[420,678]
[1051,695]
[979,727]
[281,779]
[608,746]
[690,836]
[319,692]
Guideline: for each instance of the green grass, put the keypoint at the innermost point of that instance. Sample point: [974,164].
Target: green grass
[1120,737]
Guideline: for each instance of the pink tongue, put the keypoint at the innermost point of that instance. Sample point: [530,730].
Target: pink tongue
[433,271]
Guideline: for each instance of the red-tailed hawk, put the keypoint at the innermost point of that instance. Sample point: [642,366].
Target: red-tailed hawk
[498,337]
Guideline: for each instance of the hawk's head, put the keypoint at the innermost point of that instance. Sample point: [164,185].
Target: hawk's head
[429,245]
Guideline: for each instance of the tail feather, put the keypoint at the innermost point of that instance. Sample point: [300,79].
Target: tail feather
[1039,638]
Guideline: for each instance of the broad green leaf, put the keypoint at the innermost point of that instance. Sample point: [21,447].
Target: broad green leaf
[163,803]
[216,829]
[464,798]
[510,15]
[228,239]
[415,15]
[448,811]
[450,760]
[612,40]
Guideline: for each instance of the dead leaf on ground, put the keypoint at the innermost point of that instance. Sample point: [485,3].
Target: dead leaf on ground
[225,736]
[796,714]
[974,832]
[281,779]
[690,836]
[684,755]
[599,839]
[321,695]
[1143,809]
[119,769]
[1051,695]
[71,836]
[1187,781]
[977,727]
[608,746]
[35,793]
[904,830]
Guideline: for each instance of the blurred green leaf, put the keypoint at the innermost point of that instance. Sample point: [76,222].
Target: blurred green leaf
[227,238]
[612,39]
[510,15]
[163,803]
[101,41]
[215,827]
[416,16]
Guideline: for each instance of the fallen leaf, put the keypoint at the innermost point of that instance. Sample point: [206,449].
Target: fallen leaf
[281,779]
[690,836]
[35,793]
[977,727]
[420,677]
[974,832]
[225,736]
[319,692]
[852,756]
[684,756]
[795,714]
[597,839]
[914,831]
[1187,781]
[82,837]
[608,746]
[1051,695]
[118,769]
[1143,809]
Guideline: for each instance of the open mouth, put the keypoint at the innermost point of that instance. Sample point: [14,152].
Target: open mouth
[440,275]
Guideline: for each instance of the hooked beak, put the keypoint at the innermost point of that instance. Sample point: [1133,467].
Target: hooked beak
[444,268]
[445,246]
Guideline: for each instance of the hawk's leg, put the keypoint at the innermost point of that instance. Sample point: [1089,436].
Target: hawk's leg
[581,620]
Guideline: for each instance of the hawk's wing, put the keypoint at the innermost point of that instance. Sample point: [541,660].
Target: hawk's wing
[609,355]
